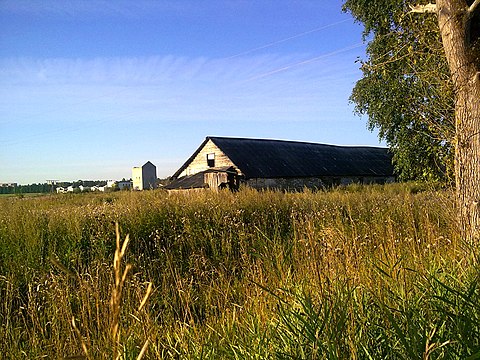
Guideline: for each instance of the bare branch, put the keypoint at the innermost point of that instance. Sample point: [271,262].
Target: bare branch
[429,8]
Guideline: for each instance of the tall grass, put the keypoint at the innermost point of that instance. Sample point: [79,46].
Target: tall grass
[357,272]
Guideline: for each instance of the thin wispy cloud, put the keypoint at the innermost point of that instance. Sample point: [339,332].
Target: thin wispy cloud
[289,38]
[165,87]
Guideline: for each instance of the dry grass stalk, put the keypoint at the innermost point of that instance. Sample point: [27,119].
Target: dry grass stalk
[84,346]
[116,298]
[144,349]
[147,295]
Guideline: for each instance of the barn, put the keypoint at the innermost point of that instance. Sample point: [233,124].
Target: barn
[280,164]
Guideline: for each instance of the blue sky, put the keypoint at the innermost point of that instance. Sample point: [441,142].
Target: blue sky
[89,89]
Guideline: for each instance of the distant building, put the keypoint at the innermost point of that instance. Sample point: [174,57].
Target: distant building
[110,186]
[144,177]
[124,185]
[8,184]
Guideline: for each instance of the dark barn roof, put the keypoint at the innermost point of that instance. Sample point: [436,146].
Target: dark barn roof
[261,158]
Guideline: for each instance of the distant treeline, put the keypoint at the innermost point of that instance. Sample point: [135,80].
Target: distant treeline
[24,189]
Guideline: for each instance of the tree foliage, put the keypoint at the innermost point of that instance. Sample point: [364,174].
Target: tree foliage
[25,189]
[406,90]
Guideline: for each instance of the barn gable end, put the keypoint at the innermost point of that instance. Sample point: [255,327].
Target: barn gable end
[202,159]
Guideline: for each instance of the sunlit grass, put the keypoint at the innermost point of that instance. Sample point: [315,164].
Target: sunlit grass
[356,272]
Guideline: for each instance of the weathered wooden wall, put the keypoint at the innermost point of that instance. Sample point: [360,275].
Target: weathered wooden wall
[214,179]
[199,163]
[298,184]
[288,184]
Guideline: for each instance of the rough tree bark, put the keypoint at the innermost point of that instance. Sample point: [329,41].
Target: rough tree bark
[454,18]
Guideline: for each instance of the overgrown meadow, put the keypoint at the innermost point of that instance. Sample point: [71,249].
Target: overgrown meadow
[361,272]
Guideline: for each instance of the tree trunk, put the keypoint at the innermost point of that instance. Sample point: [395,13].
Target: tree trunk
[453,19]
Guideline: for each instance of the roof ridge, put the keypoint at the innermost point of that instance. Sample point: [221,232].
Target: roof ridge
[294,142]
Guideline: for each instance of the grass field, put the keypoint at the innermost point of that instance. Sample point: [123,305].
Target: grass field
[374,272]
[22,195]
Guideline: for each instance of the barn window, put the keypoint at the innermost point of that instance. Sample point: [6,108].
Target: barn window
[211,160]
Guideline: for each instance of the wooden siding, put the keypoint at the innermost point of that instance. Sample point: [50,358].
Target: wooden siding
[199,163]
[214,179]
[298,184]
[288,184]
